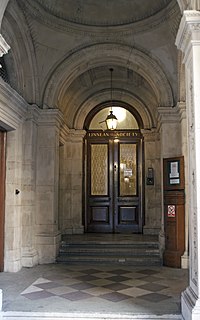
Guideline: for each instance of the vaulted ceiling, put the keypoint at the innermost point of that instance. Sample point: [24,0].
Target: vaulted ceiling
[61,52]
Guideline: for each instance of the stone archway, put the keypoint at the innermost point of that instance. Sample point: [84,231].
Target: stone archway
[106,54]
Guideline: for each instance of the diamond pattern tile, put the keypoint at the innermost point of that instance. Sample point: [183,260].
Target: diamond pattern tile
[154,297]
[150,279]
[61,290]
[75,296]
[116,286]
[134,292]
[118,271]
[154,287]
[97,291]
[82,286]
[87,278]
[38,295]
[91,271]
[101,282]
[114,296]
[118,278]
[48,285]
[148,271]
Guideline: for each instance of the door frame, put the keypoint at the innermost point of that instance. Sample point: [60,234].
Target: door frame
[2,195]
[123,136]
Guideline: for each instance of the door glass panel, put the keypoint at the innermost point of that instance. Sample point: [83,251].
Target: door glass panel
[128,169]
[99,169]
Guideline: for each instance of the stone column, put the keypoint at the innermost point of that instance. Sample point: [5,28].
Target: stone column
[188,40]
[71,181]
[29,253]
[47,175]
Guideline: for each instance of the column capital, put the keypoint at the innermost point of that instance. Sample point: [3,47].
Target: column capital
[189,31]
[150,135]
[168,114]
[77,135]
[72,135]
[50,117]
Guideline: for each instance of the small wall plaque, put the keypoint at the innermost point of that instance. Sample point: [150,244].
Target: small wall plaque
[171,211]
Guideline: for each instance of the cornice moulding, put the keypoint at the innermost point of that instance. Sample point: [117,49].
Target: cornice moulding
[13,108]
[189,32]
[168,115]
[77,135]
[50,117]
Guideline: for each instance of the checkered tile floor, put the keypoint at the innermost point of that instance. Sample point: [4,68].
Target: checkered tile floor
[114,285]
[97,288]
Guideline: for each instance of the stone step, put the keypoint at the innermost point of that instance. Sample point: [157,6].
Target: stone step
[111,245]
[136,261]
[108,251]
[135,250]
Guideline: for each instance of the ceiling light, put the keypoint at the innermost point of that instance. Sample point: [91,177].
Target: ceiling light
[111,120]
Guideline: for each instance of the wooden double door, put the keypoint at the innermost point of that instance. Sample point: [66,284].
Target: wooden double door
[113,202]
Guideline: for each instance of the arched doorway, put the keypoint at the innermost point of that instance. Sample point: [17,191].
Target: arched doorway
[113,173]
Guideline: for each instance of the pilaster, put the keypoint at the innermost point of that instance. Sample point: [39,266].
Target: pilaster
[153,200]
[47,232]
[188,40]
[29,139]
[71,180]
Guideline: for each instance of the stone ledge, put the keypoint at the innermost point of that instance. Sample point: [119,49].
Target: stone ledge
[12,315]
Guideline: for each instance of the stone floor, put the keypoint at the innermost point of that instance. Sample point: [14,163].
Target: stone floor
[94,288]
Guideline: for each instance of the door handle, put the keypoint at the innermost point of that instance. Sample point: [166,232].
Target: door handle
[115,167]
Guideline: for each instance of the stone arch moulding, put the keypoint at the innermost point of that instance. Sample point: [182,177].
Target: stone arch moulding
[107,54]
[147,117]
[115,103]
[3,5]
[26,77]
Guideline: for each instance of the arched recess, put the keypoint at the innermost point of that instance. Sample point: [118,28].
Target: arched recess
[147,117]
[106,54]
[93,87]
[94,111]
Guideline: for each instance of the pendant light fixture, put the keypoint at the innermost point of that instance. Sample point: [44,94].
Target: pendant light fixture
[111,120]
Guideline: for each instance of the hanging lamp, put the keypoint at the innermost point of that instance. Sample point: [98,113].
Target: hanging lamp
[111,120]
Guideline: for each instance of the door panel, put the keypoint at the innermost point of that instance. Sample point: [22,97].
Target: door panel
[99,204]
[99,169]
[127,202]
[127,169]
[114,179]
